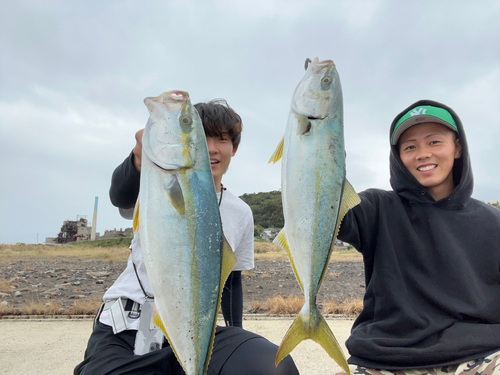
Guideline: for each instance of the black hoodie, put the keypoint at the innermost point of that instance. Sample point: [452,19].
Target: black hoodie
[432,270]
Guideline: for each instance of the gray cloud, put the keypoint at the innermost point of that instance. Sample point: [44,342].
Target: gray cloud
[74,75]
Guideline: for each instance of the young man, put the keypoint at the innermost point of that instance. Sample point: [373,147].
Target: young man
[431,255]
[235,351]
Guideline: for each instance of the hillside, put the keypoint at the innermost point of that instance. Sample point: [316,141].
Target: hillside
[267,210]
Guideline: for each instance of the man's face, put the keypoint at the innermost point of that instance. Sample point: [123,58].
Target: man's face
[220,150]
[428,151]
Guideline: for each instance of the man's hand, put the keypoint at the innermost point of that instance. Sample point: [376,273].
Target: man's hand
[137,160]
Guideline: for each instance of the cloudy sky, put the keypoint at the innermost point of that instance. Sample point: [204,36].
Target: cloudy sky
[73,76]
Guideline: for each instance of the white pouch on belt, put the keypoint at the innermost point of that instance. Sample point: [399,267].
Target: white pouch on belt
[149,337]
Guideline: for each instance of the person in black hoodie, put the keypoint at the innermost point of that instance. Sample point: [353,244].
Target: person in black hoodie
[431,254]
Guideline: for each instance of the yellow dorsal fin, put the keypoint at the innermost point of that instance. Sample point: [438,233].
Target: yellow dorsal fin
[136,216]
[282,241]
[349,200]
[278,153]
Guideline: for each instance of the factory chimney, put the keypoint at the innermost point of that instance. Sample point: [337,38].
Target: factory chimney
[94,221]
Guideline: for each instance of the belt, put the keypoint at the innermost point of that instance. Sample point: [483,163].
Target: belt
[128,305]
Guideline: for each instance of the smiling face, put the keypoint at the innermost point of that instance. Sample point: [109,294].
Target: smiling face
[220,150]
[428,151]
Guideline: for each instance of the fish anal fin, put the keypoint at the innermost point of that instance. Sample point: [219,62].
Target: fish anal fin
[175,195]
[135,221]
[228,261]
[278,153]
[281,240]
[159,323]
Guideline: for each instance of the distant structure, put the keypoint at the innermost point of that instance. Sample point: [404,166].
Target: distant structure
[494,202]
[94,221]
[269,234]
[117,233]
[72,231]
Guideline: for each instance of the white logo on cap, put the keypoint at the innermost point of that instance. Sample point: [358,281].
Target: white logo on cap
[420,111]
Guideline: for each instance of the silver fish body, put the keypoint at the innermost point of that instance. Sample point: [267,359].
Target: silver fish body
[315,195]
[180,229]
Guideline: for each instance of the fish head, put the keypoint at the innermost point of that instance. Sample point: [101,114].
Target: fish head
[319,90]
[168,138]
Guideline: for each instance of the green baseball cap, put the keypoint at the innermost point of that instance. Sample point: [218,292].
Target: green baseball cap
[420,114]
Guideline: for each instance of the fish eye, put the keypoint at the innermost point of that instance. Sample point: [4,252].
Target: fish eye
[326,81]
[186,120]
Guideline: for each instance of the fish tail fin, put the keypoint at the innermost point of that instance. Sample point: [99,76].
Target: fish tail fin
[312,326]
[292,338]
[325,337]
[278,153]
[136,217]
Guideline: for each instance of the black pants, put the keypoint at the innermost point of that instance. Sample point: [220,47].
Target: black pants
[232,300]
[235,352]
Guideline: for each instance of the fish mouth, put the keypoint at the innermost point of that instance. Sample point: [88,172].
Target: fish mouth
[167,168]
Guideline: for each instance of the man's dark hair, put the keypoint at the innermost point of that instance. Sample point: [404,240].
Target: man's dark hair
[218,118]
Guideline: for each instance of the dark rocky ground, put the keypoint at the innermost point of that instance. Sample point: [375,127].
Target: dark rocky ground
[68,280]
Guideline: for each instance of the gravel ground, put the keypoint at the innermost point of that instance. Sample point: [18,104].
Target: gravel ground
[67,280]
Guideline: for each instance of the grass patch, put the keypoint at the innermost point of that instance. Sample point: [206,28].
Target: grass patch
[81,307]
[110,242]
[84,307]
[10,253]
[291,305]
[346,307]
[5,286]
[351,255]
[248,274]
[285,305]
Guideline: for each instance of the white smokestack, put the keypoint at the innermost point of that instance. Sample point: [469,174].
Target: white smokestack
[94,221]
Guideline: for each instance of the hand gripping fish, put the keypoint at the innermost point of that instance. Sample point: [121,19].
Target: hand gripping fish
[178,221]
[316,196]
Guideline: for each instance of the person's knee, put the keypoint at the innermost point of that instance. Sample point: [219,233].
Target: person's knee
[287,367]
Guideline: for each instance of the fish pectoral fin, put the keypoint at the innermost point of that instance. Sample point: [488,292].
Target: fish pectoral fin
[349,200]
[281,240]
[228,261]
[303,124]
[135,221]
[174,191]
[278,153]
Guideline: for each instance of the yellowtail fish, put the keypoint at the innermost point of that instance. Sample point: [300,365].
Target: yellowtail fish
[178,221]
[316,196]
